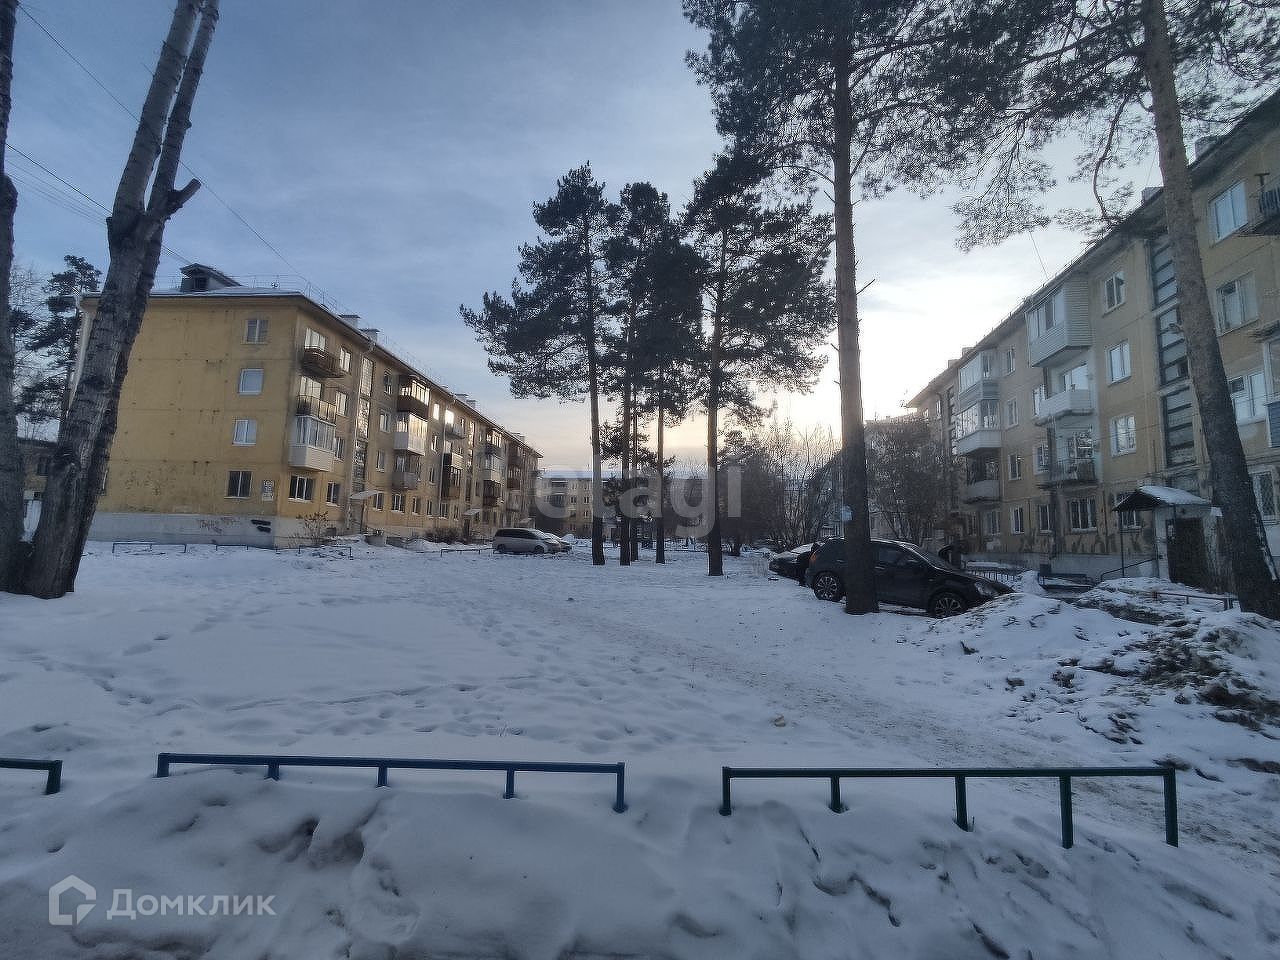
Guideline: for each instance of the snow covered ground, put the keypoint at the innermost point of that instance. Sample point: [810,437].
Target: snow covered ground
[393,653]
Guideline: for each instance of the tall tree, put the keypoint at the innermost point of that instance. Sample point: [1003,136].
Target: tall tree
[1121,74]
[825,90]
[767,309]
[547,337]
[145,200]
[57,335]
[11,549]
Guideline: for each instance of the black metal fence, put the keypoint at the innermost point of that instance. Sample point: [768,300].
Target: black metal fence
[148,546]
[52,769]
[274,762]
[961,775]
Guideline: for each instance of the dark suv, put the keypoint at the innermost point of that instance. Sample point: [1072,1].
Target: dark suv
[906,576]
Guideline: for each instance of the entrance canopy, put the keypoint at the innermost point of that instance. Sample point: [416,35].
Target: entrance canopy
[1152,497]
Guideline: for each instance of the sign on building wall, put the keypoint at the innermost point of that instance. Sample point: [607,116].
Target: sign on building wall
[268,489]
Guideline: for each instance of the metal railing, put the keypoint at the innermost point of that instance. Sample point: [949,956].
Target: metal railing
[149,544]
[1064,776]
[444,550]
[274,762]
[52,768]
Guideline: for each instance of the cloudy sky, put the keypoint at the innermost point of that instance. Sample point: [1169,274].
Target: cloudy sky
[389,153]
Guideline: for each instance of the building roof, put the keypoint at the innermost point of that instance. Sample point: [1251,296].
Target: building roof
[1152,496]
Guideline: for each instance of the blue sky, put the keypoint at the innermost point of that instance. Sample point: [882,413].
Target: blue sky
[391,152]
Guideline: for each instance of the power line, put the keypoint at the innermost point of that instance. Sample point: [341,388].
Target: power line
[235,213]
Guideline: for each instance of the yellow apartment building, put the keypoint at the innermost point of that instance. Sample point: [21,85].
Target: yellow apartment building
[1081,395]
[256,415]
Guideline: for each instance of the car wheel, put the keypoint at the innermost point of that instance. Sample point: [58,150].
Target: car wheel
[827,586]
[946,603]
[540,549]
[499,549]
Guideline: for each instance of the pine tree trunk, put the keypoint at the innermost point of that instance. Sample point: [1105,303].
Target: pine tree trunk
[12,548]
[593,388]
[660,530]
[1228,468]
[711,492]
[633,524]
[134,234]
[624,525]
[859,567]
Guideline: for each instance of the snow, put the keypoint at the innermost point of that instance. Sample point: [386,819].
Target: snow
[1172,496]
[400,653]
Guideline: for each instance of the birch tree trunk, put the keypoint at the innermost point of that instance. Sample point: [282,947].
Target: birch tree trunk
[859,567]
[12,548]
[1228,468]
[134,235]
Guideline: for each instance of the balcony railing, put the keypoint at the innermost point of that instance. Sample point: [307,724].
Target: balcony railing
[320,363]
[455,430]
[405,480]
[988,489]
[411,440]
[320,409]
[978,441]
[413,397]
[515,480]
[1267,222]
[307,457]
[1071,470]
[1064,403]
[491,500]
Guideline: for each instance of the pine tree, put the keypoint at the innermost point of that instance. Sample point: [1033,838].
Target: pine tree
[767,309]
[547,336]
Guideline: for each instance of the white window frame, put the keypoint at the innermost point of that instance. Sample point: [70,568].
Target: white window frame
[1011,412]
[1041,464]
[1017,520]
[1124,427]
[255,330]
[344,360]
[1228,211]
[1126,356]
[261,381]
[1044,518]
[333,493]
[339,447]
[1015,466]
[1244,289]
[380,461]
[991,523]
[1250,401]
[244,433]
[341,400]
[1088,506]
[397,503]
[298,483]
[1113,291]
[315,340]
[246,482]
[1010,361]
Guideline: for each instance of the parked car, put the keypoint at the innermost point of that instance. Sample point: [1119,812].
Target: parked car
[905,576]
[793,563]
[524,540]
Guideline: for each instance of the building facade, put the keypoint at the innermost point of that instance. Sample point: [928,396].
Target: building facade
[257,415]
[36,456]
[564,502]
[1082,394]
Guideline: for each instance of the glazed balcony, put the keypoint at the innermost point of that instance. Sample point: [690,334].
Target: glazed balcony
[981,491]
[315,407]
[980,441]
[1064,403]
[405,480]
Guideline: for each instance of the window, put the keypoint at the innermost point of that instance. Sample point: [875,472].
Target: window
[1249,395]
[333,493]
[1124,435]
[1042,457]
[1037,399]
[1179,440]
[384,419]
[430,507]
[245,433]
[397,503]
[1044,519]
[1010,361]
[1083,513]
[301,488]
[435,443]
[344,360]
[1264,491]
[1118,365]
[1018,520]
[1113,290]
[1077,378]
[1237,303]
[313,340]
[239,483]
[415,505]
[366,376]
[339,448]
[340,401]
[1228,211]
[380,460]
[255,330]
[251,381]
[42,466]
[1015,466]
[1164,281]
[991,523]
[310,387]
[435,411]
[388,384]
[977,369]
[313,432]
[1011,412]
[1172,347]
[376,501]
[1045,315]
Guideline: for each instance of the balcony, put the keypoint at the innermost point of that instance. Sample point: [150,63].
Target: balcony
[405,480]
[1071,471]
[413,397]
[981,490]
[1267,222]
[320,363]
[412,441]
[1064,403]
[491,500]
[987,389]
[980,441]
[306,457]
[515,458]
[491,475]
[493,449]
[455,430]
[1059,323]
[320,409]
[515,480]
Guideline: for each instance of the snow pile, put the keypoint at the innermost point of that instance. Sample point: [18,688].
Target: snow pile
[396,653]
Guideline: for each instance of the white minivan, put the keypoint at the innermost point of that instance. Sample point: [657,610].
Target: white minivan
[524,540]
